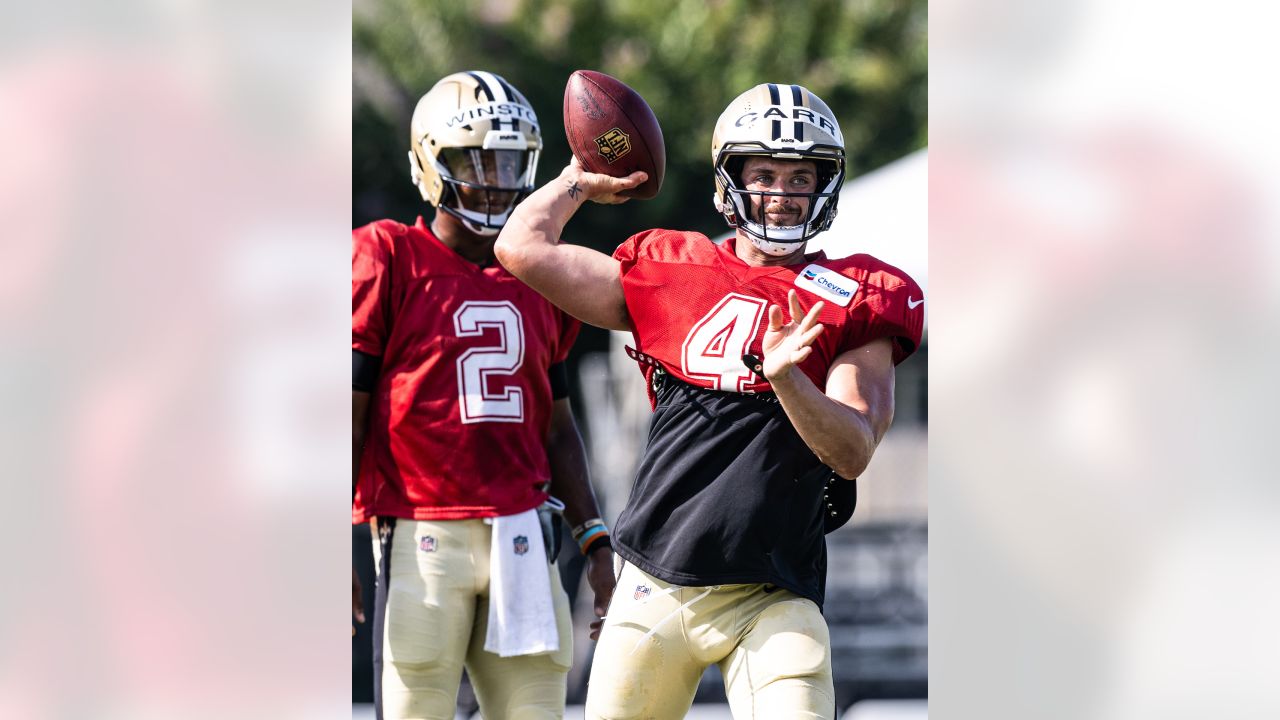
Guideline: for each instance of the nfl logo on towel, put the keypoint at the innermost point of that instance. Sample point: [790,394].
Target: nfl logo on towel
[642,592]
[428,544]
[522,544]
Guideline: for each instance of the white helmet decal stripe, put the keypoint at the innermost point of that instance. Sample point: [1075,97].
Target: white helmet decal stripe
[775,100]
[497,89]
[783,107]
[797,101]
[482,87]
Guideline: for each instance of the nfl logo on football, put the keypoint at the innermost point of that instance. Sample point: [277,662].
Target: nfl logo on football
[521,543]
[613,145]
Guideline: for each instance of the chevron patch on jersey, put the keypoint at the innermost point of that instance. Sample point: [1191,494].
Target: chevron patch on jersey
[827,284]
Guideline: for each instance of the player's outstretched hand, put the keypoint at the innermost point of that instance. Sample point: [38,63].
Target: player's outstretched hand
[604,189]
[357,602]
[786,345]
[600,578]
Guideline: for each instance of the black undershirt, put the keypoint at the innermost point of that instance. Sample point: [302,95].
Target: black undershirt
[727,492]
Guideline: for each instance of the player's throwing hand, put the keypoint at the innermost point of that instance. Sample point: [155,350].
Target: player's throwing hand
[787,345]
[604,189]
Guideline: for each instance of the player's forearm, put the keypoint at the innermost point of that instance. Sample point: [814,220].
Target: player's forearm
[359,428]
[570,479]
[842,438]
[529,244]
[581,281]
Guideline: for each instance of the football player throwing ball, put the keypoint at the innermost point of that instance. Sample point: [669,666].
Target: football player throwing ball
[771,373]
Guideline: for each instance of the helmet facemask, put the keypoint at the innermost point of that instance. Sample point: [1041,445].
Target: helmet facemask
[741,210]
[482,187]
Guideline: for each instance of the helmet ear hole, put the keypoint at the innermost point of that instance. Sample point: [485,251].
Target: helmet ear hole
[827,171]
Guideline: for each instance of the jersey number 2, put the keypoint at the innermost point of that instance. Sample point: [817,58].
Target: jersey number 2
[478,365]
[714,348]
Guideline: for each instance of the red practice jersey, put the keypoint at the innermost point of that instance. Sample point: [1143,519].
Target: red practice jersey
[459,420]
[697,308]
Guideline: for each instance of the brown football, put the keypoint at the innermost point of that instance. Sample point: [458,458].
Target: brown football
[612,131]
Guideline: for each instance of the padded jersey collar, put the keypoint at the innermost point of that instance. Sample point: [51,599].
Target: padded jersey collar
[734,265]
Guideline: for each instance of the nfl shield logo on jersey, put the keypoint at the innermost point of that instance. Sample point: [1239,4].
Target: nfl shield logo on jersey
[522,544]
[427,544]
[642,592]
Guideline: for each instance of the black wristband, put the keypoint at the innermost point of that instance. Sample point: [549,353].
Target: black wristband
[603,542]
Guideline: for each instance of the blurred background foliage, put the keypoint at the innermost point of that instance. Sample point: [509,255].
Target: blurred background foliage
[688,58]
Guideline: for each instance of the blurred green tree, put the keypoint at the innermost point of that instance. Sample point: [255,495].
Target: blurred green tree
[688,58]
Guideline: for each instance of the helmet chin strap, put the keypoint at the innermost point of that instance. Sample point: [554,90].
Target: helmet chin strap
[490,224]
[776,248]
[481,230]
[475,222]
[777,241]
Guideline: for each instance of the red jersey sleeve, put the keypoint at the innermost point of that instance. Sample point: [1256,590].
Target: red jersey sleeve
[370,288]
[668,246]
[651,264]
[629,252]
[894,304]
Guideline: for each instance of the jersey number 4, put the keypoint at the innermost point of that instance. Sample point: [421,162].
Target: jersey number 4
[714,348]
[479,401]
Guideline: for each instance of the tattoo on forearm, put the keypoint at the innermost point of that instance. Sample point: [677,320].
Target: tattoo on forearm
[574,190]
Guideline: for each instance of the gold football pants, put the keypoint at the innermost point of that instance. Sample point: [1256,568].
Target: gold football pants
[771,645]
[432,616]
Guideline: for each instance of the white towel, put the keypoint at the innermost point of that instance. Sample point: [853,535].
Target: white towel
[522,620]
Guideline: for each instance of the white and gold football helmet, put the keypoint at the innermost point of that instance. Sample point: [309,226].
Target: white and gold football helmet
[785,122]
[474,143]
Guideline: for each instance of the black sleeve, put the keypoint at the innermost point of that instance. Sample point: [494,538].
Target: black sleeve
[365,369]
[559,381]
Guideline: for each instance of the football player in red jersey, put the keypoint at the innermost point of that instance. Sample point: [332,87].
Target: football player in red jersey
[771,372]
[462,423]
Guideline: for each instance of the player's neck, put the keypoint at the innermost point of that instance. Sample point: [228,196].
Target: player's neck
[475,249]
[748,253]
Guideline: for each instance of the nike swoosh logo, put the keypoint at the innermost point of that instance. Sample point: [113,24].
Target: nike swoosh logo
[913,305]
